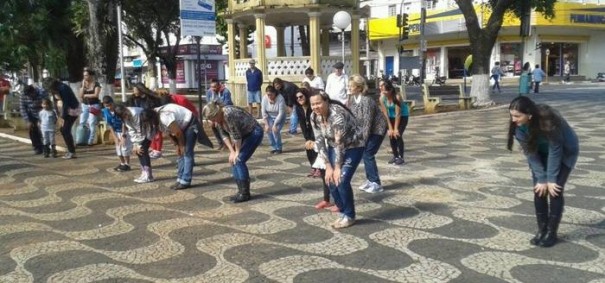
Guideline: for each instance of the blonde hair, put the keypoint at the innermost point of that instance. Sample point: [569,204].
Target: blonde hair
[358,81]
[211,110]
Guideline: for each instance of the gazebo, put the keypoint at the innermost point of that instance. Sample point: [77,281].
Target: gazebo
[317,14]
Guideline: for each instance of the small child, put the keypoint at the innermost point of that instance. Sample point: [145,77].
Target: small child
[48,123]
[120,136]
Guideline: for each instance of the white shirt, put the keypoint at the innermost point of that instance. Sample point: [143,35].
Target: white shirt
[337,86]
[317,82]
[173,113]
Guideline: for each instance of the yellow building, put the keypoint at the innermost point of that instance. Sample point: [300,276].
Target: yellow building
[577,34]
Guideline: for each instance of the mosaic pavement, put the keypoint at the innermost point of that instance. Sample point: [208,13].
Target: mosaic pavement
[460,210]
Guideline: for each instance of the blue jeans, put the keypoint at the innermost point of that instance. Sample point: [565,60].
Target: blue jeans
[89,119]
[249,145]
[185,162]
[293,120]
[343,193]
[275,138]
[369,158]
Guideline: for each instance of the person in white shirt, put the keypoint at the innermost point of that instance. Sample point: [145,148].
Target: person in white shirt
[337,84]
[314,81]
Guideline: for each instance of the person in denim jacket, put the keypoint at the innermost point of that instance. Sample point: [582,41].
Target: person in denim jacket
[551,147]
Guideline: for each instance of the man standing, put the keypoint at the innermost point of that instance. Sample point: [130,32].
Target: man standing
[337,84]
[218,93]
[567,71]
[314,81]
[254,80]
[30,105]
[288,91]
[538,75]
[496,74]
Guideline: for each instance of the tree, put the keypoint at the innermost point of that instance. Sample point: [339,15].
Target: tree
[482,39]
[150,24]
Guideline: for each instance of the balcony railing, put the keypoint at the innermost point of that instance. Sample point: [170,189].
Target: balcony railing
[291,68]
[240,5]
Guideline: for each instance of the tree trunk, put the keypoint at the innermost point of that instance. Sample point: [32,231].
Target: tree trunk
[152,72]
[76,59]
[482,50]
[304,40]
[102,42]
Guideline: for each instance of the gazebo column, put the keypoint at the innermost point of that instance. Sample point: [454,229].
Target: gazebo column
[260,44]
[325,41]
[281,43]
[231,44]
[314,41]
[355,44]
[243,41]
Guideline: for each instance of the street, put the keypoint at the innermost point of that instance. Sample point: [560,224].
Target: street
[459,210]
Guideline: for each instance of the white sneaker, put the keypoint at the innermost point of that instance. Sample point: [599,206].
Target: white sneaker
[374,188]
[155,154]
[143,179]
[69,155]
[365,185]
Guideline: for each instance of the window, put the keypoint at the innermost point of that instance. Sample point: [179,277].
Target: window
[392,10]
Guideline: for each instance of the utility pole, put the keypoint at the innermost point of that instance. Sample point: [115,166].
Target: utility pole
[199,73]
[422,42]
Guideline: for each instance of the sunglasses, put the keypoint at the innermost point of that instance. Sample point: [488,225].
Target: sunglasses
[300,97]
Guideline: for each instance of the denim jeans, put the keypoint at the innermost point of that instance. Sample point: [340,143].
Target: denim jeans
[343,193]
[275,138]
[185,163]
[369,158]
[89,119]
[293,120]
[144,155]
[249,145]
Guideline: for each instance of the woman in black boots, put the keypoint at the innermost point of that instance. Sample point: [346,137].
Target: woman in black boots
[551,147]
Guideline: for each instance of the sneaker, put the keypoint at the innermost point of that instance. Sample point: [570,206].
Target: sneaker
[392,160]
[179,186]
[117,168]
[143,179]
[364,186]
[69,155]
[337,220]
[334,209]
[344,222]
[374,188]
[277,151]
[399,161]
[323,204]
[123,168]
[155,154]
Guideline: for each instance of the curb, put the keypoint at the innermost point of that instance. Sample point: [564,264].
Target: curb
[27,141]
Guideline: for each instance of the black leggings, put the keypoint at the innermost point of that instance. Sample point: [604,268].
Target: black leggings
[556,203]
[312,156]
[397,144]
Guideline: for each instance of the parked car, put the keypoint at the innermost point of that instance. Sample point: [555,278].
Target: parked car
[601,77]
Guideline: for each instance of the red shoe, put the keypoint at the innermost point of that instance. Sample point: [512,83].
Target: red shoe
[334,209]
[312,173]
[323,204]
[317,173]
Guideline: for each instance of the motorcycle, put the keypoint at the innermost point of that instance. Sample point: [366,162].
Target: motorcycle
[412,80]
[439,80]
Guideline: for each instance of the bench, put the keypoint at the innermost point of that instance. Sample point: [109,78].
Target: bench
[435,96]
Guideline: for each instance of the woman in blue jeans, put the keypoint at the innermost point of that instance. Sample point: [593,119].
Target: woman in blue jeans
[91,104]
[373,128]
[242,134]
[340,146]
[273,109]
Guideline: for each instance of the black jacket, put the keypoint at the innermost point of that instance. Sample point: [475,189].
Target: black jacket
[304,120]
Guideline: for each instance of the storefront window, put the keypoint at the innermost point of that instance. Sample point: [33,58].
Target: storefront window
[510,62]
[559,53]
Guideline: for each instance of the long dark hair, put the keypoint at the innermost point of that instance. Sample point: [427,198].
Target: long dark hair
[307,94]
[151,100]
[388,86]
[325,97]
[544,122]
[150,121]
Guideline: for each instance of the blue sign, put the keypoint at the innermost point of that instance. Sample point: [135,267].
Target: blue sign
[137,63]
[198,17]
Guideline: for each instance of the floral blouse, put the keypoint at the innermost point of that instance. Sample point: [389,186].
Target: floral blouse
[238,123]
[368,114]
[341,133]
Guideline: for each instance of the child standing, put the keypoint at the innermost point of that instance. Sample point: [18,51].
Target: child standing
[121,137]
[48,123]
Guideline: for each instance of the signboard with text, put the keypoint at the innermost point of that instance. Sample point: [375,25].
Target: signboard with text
[198,17]
[209,68]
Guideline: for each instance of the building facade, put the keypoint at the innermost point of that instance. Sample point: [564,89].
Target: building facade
[576,34]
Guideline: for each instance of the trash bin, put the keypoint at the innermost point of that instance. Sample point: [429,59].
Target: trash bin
[524,83]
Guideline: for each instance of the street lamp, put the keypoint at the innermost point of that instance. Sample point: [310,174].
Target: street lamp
[342,20]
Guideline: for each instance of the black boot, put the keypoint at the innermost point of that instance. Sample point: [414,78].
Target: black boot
[53,149]
[239,190]
[244,191]
[542,219]
[46,151]
[550,239]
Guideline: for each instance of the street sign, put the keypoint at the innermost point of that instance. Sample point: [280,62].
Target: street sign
[137,63]
[198,17]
